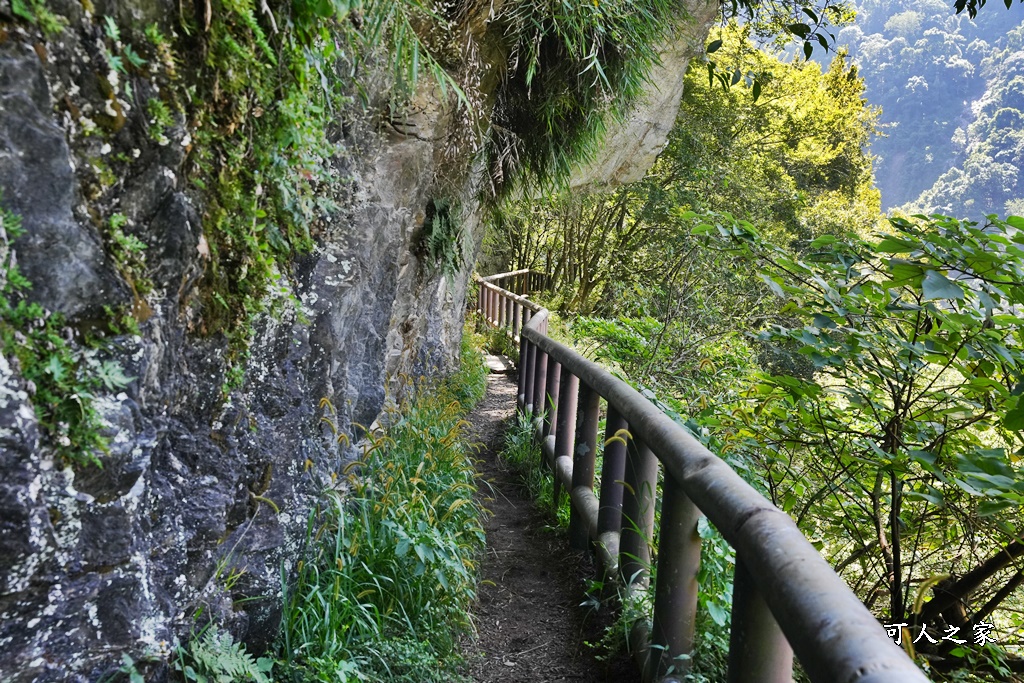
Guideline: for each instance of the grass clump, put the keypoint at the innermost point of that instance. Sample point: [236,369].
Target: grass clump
[523,455]
[390,568]
[572,65]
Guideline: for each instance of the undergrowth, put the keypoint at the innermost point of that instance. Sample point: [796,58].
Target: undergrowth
[390,568]
[709,660]
[523,455]
[214,657]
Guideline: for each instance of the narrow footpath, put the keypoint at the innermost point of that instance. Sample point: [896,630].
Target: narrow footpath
[529,619]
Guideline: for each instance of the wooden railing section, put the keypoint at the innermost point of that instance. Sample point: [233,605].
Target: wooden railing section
[786,598]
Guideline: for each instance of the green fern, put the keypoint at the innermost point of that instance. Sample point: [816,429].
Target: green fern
[443,237]
[215,657]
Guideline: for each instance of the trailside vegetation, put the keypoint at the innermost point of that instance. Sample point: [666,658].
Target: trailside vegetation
[389,567]
[863,372]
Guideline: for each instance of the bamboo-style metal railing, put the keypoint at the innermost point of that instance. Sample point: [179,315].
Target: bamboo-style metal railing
[786,598]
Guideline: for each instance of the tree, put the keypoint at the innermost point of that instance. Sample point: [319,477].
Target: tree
[901,454]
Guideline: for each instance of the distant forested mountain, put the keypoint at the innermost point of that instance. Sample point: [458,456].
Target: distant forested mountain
[952,97]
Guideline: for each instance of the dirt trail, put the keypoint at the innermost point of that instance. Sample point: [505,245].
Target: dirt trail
[530,624]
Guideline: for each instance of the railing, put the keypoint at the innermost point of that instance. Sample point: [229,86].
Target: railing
[508,308]
[786,598]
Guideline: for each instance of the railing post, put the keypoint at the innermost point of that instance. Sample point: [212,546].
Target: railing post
[506,311]
[480,298]
[613,472]
[529,366]
[524,354]
[638,513]
[584,457]
[675,593]
[540,376]
[551,397]
[517,317]
[758,651]
[565,426]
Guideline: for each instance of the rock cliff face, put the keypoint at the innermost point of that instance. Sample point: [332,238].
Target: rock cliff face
[204,495]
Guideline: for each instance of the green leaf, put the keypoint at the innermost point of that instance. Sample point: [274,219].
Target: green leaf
[1016,221]
[111,29]
[55,368]
[802,30]
[991,506]
[905,272]
[775,287]
[717,613]
[20,10]
[823,241]
[938,286]
[1014,418]
[757,89]
[713,46]
[892,245]
[823,322]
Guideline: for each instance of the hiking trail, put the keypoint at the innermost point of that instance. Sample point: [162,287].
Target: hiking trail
[529,619]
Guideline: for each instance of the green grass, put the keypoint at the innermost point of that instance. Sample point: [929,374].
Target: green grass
[523,455]
[390,568]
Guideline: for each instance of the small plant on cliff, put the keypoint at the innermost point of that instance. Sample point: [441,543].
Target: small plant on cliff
[129,253]
[443,238]
[215,657]
[38,14]
[62,378]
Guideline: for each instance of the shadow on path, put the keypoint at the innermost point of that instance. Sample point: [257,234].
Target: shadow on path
[529,621]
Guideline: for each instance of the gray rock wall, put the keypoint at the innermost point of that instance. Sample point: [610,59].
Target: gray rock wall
[96,562]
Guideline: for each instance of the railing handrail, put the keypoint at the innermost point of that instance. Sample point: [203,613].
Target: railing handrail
[502,276]
[833,634]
